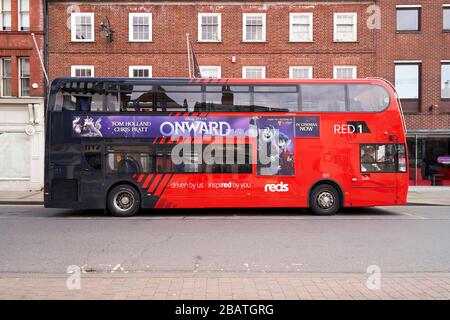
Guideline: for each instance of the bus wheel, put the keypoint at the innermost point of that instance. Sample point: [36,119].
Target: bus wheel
[324,200]
[123,201]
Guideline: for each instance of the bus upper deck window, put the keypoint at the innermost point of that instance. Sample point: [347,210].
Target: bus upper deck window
[323,97]
[367,98]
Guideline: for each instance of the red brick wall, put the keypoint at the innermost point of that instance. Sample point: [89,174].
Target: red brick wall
[167,52]
[16,44]
[430,45]
[374,53]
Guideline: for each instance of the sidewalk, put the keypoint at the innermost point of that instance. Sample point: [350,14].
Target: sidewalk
[21,197]
[429,196]
[416,196]
[188,285]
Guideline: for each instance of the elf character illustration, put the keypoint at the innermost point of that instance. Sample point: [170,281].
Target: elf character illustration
[88,128]
[286,167]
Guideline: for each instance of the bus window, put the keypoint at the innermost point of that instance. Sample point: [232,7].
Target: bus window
[276,98]
[179,98]
[323,97]
[128,159]
[137,98]
[383,158]
[94,160]
[227,98]
[80,96]
[367,98]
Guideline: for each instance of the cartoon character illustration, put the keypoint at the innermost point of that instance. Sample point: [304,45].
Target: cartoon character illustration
[88,128]
[286,166]
[268,155]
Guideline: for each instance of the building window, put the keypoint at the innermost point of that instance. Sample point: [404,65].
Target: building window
[300,27]
[254,27]
[24,77]
[446,18]
[407,84]
[344,72]
[5,15]
[212,72]
[345,27]
[408,18]
[209,27]
[82,25]
[140,27]
[140,71]
[254,72]
[301,72]
[24,15]
[82,71]
[445,80]
[6,77]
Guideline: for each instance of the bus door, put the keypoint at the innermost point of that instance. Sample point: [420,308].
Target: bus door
[91,175]
[373,174]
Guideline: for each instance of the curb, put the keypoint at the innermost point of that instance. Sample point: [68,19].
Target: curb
[25,202]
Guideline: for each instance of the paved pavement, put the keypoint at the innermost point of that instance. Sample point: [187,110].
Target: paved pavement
[278,286]
[248,254]
[416,196]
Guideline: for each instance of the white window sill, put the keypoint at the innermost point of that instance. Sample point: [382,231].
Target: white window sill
[209,41]
[299,41]
[81,41]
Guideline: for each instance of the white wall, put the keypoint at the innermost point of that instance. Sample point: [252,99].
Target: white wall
[21,144]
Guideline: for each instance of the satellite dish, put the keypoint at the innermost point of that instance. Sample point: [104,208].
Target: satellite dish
[105,30]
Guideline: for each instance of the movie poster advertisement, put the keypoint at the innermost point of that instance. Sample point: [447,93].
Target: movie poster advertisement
[274,134]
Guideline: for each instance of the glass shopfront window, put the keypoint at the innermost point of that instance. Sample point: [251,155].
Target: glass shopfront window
[429,160]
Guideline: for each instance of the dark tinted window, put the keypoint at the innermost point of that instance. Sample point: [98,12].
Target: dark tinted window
[227,98]
[408,19]
[367,98]
[137,98]
[276,101]
[207,158]
[178,98]
[128,159]
[81,96]
[323,97]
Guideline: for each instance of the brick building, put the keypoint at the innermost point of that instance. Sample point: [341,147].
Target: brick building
[21,95]
[404,41]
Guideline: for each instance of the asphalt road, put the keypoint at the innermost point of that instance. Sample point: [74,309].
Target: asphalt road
[400,239]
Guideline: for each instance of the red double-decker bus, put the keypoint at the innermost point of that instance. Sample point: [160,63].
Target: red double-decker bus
[124,144]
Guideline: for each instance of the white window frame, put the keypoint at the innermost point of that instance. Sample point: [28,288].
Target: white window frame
[292,68]
[355,29]
[244,71]
[73,29]
[132,68]
[354,71]
[218,68]
[219,26]
[20,16]
[131,15]
[1,76]
[1,15]
[264,26]
[311,26]
[19,75]
[74,67]
[418,63]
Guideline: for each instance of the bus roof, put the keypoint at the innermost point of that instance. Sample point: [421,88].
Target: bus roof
[200,81]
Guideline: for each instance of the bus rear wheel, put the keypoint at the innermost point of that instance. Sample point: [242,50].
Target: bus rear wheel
[324,200]
[123,201]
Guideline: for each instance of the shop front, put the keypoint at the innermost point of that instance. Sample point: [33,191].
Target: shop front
[429,158]
[21,144]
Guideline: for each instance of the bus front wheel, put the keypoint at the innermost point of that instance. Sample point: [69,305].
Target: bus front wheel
[324,200]
[123,201]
